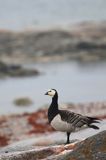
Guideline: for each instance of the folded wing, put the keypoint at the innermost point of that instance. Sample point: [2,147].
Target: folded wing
[78,120]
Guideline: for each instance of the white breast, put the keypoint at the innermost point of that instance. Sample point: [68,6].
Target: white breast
[60,125]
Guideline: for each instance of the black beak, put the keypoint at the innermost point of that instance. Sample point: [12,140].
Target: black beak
[46,93]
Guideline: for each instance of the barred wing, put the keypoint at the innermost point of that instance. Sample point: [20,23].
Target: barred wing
[77,120]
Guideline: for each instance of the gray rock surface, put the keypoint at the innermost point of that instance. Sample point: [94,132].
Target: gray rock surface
[93,148]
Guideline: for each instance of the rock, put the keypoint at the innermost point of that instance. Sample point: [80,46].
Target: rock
[16,71]
[85,41]
[93,148]
[24,101]
[17,127]
[33,154]
[29,136]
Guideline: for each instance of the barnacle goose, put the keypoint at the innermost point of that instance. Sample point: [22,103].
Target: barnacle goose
[64,120]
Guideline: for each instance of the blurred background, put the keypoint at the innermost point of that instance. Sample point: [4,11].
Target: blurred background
[46,44]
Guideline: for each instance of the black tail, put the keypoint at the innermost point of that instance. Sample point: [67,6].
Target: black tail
[93,120]
[93,126]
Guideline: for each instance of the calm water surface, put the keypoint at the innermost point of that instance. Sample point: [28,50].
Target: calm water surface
[76,82]
[20,14]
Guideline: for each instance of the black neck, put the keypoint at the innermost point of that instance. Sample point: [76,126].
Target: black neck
[53,109]
[55,101]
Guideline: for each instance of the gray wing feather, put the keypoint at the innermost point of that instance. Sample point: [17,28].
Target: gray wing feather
[74,119]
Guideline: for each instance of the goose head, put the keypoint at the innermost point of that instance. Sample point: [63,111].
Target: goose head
[51,92]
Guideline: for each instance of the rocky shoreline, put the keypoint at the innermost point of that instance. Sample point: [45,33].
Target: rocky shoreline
[84,41]
[11,70]
[92,148]
[29,136]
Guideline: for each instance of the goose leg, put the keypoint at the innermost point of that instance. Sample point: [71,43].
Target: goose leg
[68,138]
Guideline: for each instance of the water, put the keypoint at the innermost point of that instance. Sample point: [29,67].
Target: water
[20,14]
[75,82]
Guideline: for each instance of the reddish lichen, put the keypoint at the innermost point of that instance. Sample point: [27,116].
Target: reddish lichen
[39,122]
[3,141]
[2,120]
[27,125]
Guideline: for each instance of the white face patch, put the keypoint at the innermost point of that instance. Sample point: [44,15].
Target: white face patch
[51,92]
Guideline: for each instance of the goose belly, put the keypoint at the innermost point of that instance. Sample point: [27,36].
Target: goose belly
[58,124]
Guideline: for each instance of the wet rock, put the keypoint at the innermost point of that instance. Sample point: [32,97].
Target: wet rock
[16,71]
